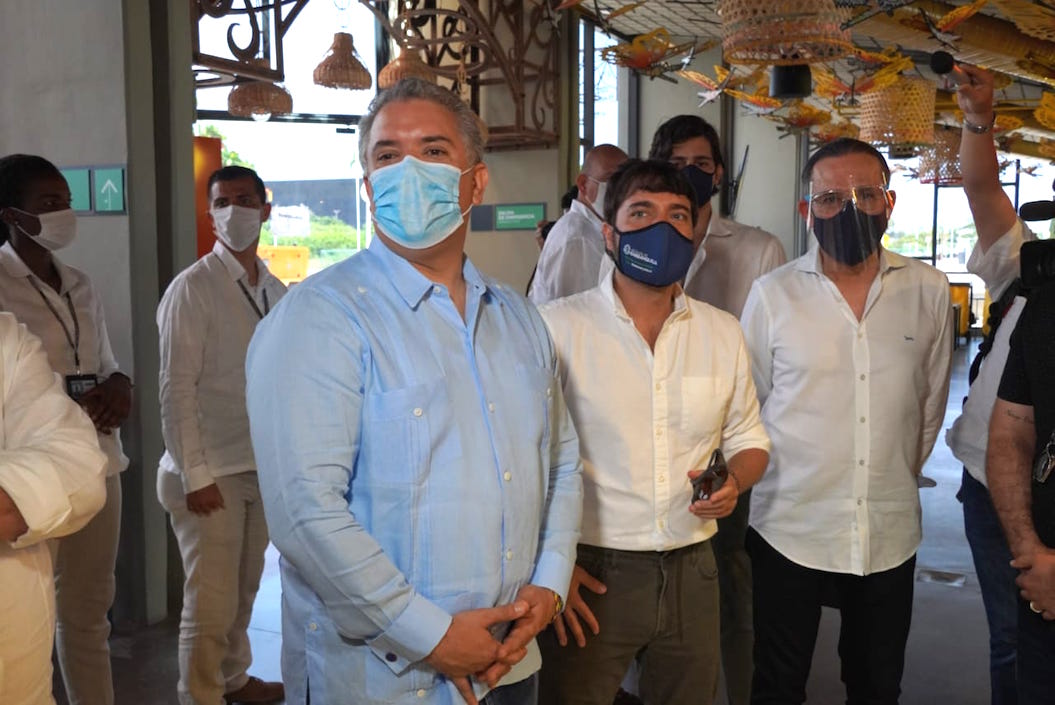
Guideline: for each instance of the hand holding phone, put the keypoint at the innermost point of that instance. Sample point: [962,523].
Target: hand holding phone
[710,480]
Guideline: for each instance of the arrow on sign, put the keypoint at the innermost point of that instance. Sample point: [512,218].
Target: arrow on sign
[109,190]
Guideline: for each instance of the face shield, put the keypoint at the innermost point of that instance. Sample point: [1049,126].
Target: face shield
[849,223]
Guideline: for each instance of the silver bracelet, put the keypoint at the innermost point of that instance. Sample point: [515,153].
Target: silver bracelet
[980,129]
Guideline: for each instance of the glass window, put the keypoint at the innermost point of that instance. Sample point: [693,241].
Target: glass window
[598,121]
[312,170]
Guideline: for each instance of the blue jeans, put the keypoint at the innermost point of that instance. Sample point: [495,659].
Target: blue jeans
[524,692]
[997,581]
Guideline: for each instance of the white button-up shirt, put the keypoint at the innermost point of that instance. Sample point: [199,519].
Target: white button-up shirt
[23,294]
[853,408]
[646,418]
[968,438]
[53,470]
[732,256]
[206,321]
[571,258]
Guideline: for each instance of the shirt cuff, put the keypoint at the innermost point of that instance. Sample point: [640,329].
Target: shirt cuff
[553,572]
[196,478]
[412,636]
[44,506]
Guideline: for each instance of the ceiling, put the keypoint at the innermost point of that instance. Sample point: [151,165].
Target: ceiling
[1015,38]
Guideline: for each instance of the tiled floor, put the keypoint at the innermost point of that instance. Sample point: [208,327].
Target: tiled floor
[947,652]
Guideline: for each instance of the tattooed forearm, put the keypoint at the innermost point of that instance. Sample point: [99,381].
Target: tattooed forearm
[1024,418]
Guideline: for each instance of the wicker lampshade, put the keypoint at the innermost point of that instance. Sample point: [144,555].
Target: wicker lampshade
[782,32]
[259,99]
[900,115]
[341,67]
[407,65]
[939,163]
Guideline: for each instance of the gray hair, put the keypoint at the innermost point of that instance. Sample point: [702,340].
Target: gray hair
[471,127]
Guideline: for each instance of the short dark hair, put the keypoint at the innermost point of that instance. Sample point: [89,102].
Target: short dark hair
[232,172]
[683,128]
[839,148]
[17,171]
[650,175]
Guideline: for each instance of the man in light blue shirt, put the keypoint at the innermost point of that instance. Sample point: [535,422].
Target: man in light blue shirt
[418,467]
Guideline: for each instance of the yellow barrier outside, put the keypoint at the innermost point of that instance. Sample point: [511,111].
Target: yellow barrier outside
[287,262]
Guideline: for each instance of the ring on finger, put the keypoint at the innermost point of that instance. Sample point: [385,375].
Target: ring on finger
[1033,606]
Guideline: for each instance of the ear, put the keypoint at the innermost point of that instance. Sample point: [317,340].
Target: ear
[481,177]
[582,182]
[893,198]
[609,237]
[719,173]
[265,213]
[804,209]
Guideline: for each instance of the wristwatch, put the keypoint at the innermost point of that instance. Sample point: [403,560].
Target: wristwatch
[979,129]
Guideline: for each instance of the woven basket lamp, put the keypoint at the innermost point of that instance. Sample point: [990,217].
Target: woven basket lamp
[259,99]
[407,65]
[900,115]
[341,67]
[939,163]
[782,32]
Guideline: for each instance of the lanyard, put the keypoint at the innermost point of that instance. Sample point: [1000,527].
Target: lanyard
[252,302]
[75,339]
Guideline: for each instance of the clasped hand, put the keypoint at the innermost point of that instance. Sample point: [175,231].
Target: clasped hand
[469,648]
[109,403]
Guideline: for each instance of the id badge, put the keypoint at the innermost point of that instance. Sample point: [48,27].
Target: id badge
[79,385]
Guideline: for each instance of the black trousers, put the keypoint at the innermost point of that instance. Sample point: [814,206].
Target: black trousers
[876,611]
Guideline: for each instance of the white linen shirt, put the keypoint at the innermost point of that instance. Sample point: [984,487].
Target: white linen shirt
[20,294]
[853,408]
[968,437]
[571,258]
[646,418]
[206,322]
[53,470]
[731,257]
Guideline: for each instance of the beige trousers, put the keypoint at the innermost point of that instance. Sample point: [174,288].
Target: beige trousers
[84,593]
[223,559]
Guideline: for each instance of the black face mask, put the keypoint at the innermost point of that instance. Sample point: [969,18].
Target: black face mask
[850,236]
[702,183]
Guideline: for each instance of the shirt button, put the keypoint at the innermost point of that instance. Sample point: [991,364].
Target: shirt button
[418,411]
[421,693]
[860,502]
[862,377]
[507,476]
[313,627]
[659,523]
[549,392]
[662,478]
[391,657]
[490,406]
[862,419]
[860,462]
[362,290]
[436,289]
[659,432]
[509,555]
[658,386]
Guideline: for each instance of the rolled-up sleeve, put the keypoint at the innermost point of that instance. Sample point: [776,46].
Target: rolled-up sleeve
[743,427]
[50,463]
[305,388]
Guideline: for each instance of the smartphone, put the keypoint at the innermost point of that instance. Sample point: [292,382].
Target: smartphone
[710,480]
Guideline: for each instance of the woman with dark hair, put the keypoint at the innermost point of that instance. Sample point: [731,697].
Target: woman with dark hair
[59,305]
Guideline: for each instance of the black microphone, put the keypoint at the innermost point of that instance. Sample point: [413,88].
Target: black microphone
[1037,210]
[942,63]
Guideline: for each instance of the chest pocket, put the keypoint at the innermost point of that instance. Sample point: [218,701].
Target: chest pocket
[704,403]
[404,430]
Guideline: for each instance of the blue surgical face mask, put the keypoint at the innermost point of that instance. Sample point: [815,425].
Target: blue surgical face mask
[657,255]
[416,203]
[702,183]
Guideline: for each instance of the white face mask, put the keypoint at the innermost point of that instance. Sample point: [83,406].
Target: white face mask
[598,202]
[238,227]
[57,229]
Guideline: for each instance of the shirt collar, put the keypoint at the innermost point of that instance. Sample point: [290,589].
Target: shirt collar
[811,261]
[234,267]
[586,212]
[18,269]
[412,285]
[718,227]
[607,288]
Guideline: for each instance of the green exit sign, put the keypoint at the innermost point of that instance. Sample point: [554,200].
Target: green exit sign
[108,189]
[79,181]
[519,216]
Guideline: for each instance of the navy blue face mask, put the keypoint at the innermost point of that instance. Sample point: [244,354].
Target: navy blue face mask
[850,236]
[702,183]
[657,255]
